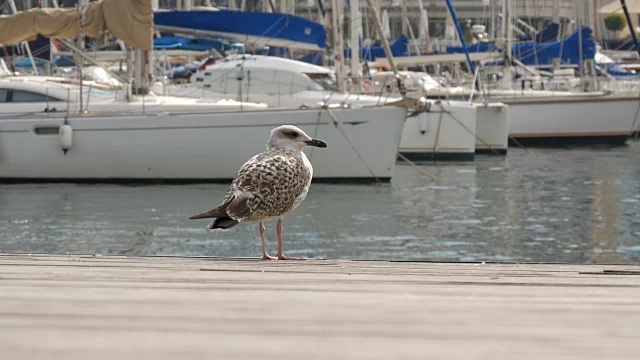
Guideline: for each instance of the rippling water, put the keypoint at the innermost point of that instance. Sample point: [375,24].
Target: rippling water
[543,205]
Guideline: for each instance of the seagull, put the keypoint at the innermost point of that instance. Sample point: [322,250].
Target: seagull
[268,186]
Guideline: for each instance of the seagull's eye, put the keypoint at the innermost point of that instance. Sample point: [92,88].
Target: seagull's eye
[292,134]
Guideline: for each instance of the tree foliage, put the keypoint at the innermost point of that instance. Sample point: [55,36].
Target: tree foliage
[615,22]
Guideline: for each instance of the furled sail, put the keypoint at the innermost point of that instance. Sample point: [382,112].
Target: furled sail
[280,30]
[129,20]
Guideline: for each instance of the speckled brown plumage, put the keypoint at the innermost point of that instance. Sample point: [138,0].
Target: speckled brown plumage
[269,185]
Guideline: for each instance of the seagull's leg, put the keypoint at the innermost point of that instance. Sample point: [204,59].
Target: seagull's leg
[265,256]
[281,256]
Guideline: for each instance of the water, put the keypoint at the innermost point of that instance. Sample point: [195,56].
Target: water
[545,205]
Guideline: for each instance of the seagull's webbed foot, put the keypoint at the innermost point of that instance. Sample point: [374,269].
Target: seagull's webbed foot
[268,257]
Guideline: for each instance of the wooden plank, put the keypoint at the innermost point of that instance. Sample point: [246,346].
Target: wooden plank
[86,307]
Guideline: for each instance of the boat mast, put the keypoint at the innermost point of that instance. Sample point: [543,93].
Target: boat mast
[505,35]
[83,55]
[385,45]
[593,18]
[356,35]
[383,39]
[45,4]
[493,19]
[461,36]
[405,17]
[79,59]
[424,22]
[337,44]
[14,9]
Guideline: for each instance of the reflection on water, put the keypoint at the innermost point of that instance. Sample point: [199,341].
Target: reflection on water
[548,205]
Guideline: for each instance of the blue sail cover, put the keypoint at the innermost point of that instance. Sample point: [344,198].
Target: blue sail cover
[27,63]
[197,44]
[616,70]
[399,47]
[567,50]
[271,29]
[479,47]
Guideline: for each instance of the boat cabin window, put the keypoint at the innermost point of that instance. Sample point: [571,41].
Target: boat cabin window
[28,96]
[327,81]
[4,94]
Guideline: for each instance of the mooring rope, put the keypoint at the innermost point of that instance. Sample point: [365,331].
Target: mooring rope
[415,166]
[435,143]
[518,144]
[336,123]
[467,129]
[634,133]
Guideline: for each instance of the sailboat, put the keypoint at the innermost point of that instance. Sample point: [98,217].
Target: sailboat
[549,117]
[583,116]
[49,132]
[438,130]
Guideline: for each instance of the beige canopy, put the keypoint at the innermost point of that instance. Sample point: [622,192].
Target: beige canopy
[129,20]
[632,5]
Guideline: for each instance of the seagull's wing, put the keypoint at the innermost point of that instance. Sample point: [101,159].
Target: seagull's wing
[239,207]
[268,186]
[231,199]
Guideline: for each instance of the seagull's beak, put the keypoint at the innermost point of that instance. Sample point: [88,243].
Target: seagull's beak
[316,143]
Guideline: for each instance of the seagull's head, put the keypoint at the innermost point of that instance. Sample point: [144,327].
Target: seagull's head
[291,137]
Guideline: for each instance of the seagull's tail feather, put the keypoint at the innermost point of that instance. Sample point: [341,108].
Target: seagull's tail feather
[222,220]
[220,211]
[223,223]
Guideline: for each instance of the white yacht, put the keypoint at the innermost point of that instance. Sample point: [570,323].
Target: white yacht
[443,129]
[551,117]
[542,117]
[486,131]
[47,133]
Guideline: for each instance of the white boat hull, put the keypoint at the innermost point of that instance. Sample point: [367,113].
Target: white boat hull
[492,128]
[425,136]
[445,132]
[206,146]
[604,119]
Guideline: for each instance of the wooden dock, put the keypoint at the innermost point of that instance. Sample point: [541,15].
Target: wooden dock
[103,307]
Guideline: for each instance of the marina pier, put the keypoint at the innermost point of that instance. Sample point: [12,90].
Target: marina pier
[106,307]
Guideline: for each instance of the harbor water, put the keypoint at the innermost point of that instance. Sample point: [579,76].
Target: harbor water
[572,205]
